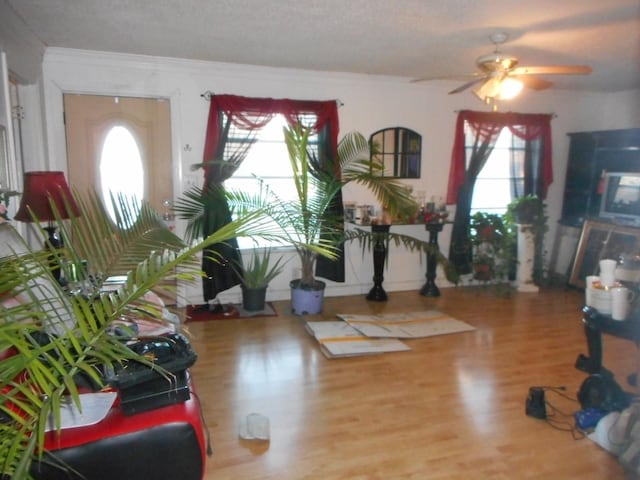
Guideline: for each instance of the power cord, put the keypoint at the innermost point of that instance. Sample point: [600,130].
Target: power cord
[563,425]
[537,403]
[205,427]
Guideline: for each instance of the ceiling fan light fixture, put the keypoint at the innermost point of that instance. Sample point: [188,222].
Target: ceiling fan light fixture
[496,89]
[488,90]
[509,88]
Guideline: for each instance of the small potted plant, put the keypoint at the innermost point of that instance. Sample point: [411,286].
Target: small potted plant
[492,246]
[526,210]
[255,278]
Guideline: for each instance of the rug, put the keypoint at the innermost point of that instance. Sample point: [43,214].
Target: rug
[201,313]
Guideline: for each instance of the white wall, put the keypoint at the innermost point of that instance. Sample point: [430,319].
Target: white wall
[370,103]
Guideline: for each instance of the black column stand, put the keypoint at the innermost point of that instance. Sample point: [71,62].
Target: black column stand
[54,242]
[377,293]
[429,289]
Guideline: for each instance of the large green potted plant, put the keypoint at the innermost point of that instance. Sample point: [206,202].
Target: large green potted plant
[309,223]
[255,277]
[38,377]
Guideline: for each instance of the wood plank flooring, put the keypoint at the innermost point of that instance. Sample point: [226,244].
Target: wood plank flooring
[451,408]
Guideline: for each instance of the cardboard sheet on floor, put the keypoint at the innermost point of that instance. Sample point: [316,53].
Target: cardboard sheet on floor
[339,339]
[427,323]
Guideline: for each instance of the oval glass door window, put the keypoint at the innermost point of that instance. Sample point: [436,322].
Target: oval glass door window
[121,172]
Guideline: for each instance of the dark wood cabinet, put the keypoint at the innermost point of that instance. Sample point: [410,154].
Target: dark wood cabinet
[591,153]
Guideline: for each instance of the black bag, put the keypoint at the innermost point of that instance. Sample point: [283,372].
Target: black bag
[143,388]
[600,390]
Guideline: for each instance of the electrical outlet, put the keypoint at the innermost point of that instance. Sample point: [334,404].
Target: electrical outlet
[192,181]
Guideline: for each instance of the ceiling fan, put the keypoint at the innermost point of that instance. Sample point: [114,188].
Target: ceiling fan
[500,78]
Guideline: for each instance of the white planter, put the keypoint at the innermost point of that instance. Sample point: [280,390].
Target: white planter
[526,256]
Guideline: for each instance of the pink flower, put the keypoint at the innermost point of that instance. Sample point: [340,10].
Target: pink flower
[3,213]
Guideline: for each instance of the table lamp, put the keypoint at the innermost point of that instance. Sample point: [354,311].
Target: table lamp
[45,194]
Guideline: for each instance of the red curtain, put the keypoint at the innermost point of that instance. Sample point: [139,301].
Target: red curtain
[250,114]
[253,113]
[487,126]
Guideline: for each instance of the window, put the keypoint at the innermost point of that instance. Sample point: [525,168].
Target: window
[494,186]
[120,153]
[267,159]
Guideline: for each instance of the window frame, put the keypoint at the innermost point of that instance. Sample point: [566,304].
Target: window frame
[513,146]
[245,244]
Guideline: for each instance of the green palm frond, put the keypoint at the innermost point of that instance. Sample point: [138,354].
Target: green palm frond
[357,166]
[55,337]
[367,240]
[115,247]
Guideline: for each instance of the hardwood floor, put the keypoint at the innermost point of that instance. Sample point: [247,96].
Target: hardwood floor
[451,408]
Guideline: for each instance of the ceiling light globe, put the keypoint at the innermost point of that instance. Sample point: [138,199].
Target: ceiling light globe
[510,88]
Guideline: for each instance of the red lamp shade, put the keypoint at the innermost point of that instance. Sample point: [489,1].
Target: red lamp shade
[41,190]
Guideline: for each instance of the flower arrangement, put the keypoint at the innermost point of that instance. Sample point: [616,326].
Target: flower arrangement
[493,246]
[5,197]
[436,217]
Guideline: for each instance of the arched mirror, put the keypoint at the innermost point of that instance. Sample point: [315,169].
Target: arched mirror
[399,150]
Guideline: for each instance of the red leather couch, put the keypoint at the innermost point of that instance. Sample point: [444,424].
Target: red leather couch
[166,443]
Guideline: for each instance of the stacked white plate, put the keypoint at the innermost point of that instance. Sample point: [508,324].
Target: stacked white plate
[597,295]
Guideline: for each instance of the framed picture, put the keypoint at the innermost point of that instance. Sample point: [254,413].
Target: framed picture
[600,240]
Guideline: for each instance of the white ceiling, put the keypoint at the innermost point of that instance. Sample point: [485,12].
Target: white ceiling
[407,38]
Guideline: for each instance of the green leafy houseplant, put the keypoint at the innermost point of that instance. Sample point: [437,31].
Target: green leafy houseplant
[260,271]
[528,213]
[255,278]
[493,241]
[527,210]
[39,376]
[309,223]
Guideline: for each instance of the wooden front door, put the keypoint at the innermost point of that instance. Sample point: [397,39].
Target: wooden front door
[88,121]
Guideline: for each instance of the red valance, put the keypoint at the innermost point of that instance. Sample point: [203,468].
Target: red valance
[487,126]
[251,113]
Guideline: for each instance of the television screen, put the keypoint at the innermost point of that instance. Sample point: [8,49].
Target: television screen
[621,197]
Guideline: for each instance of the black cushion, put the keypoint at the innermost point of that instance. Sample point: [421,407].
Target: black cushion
[166,452]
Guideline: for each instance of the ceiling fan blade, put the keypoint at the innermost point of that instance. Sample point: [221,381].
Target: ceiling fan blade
[469,84]
[534,83]
[552,70]
[461,77]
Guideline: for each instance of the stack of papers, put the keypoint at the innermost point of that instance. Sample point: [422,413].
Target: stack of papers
[338,339]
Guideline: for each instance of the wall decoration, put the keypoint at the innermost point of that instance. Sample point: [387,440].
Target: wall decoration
[600,240]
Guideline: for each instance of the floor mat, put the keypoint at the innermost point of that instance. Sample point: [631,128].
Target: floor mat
[201,313]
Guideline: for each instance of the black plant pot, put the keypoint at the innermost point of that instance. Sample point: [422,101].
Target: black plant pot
[253,299]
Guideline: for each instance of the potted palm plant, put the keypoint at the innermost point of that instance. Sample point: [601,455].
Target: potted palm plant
[139,246]
[311,226]
[255,278]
